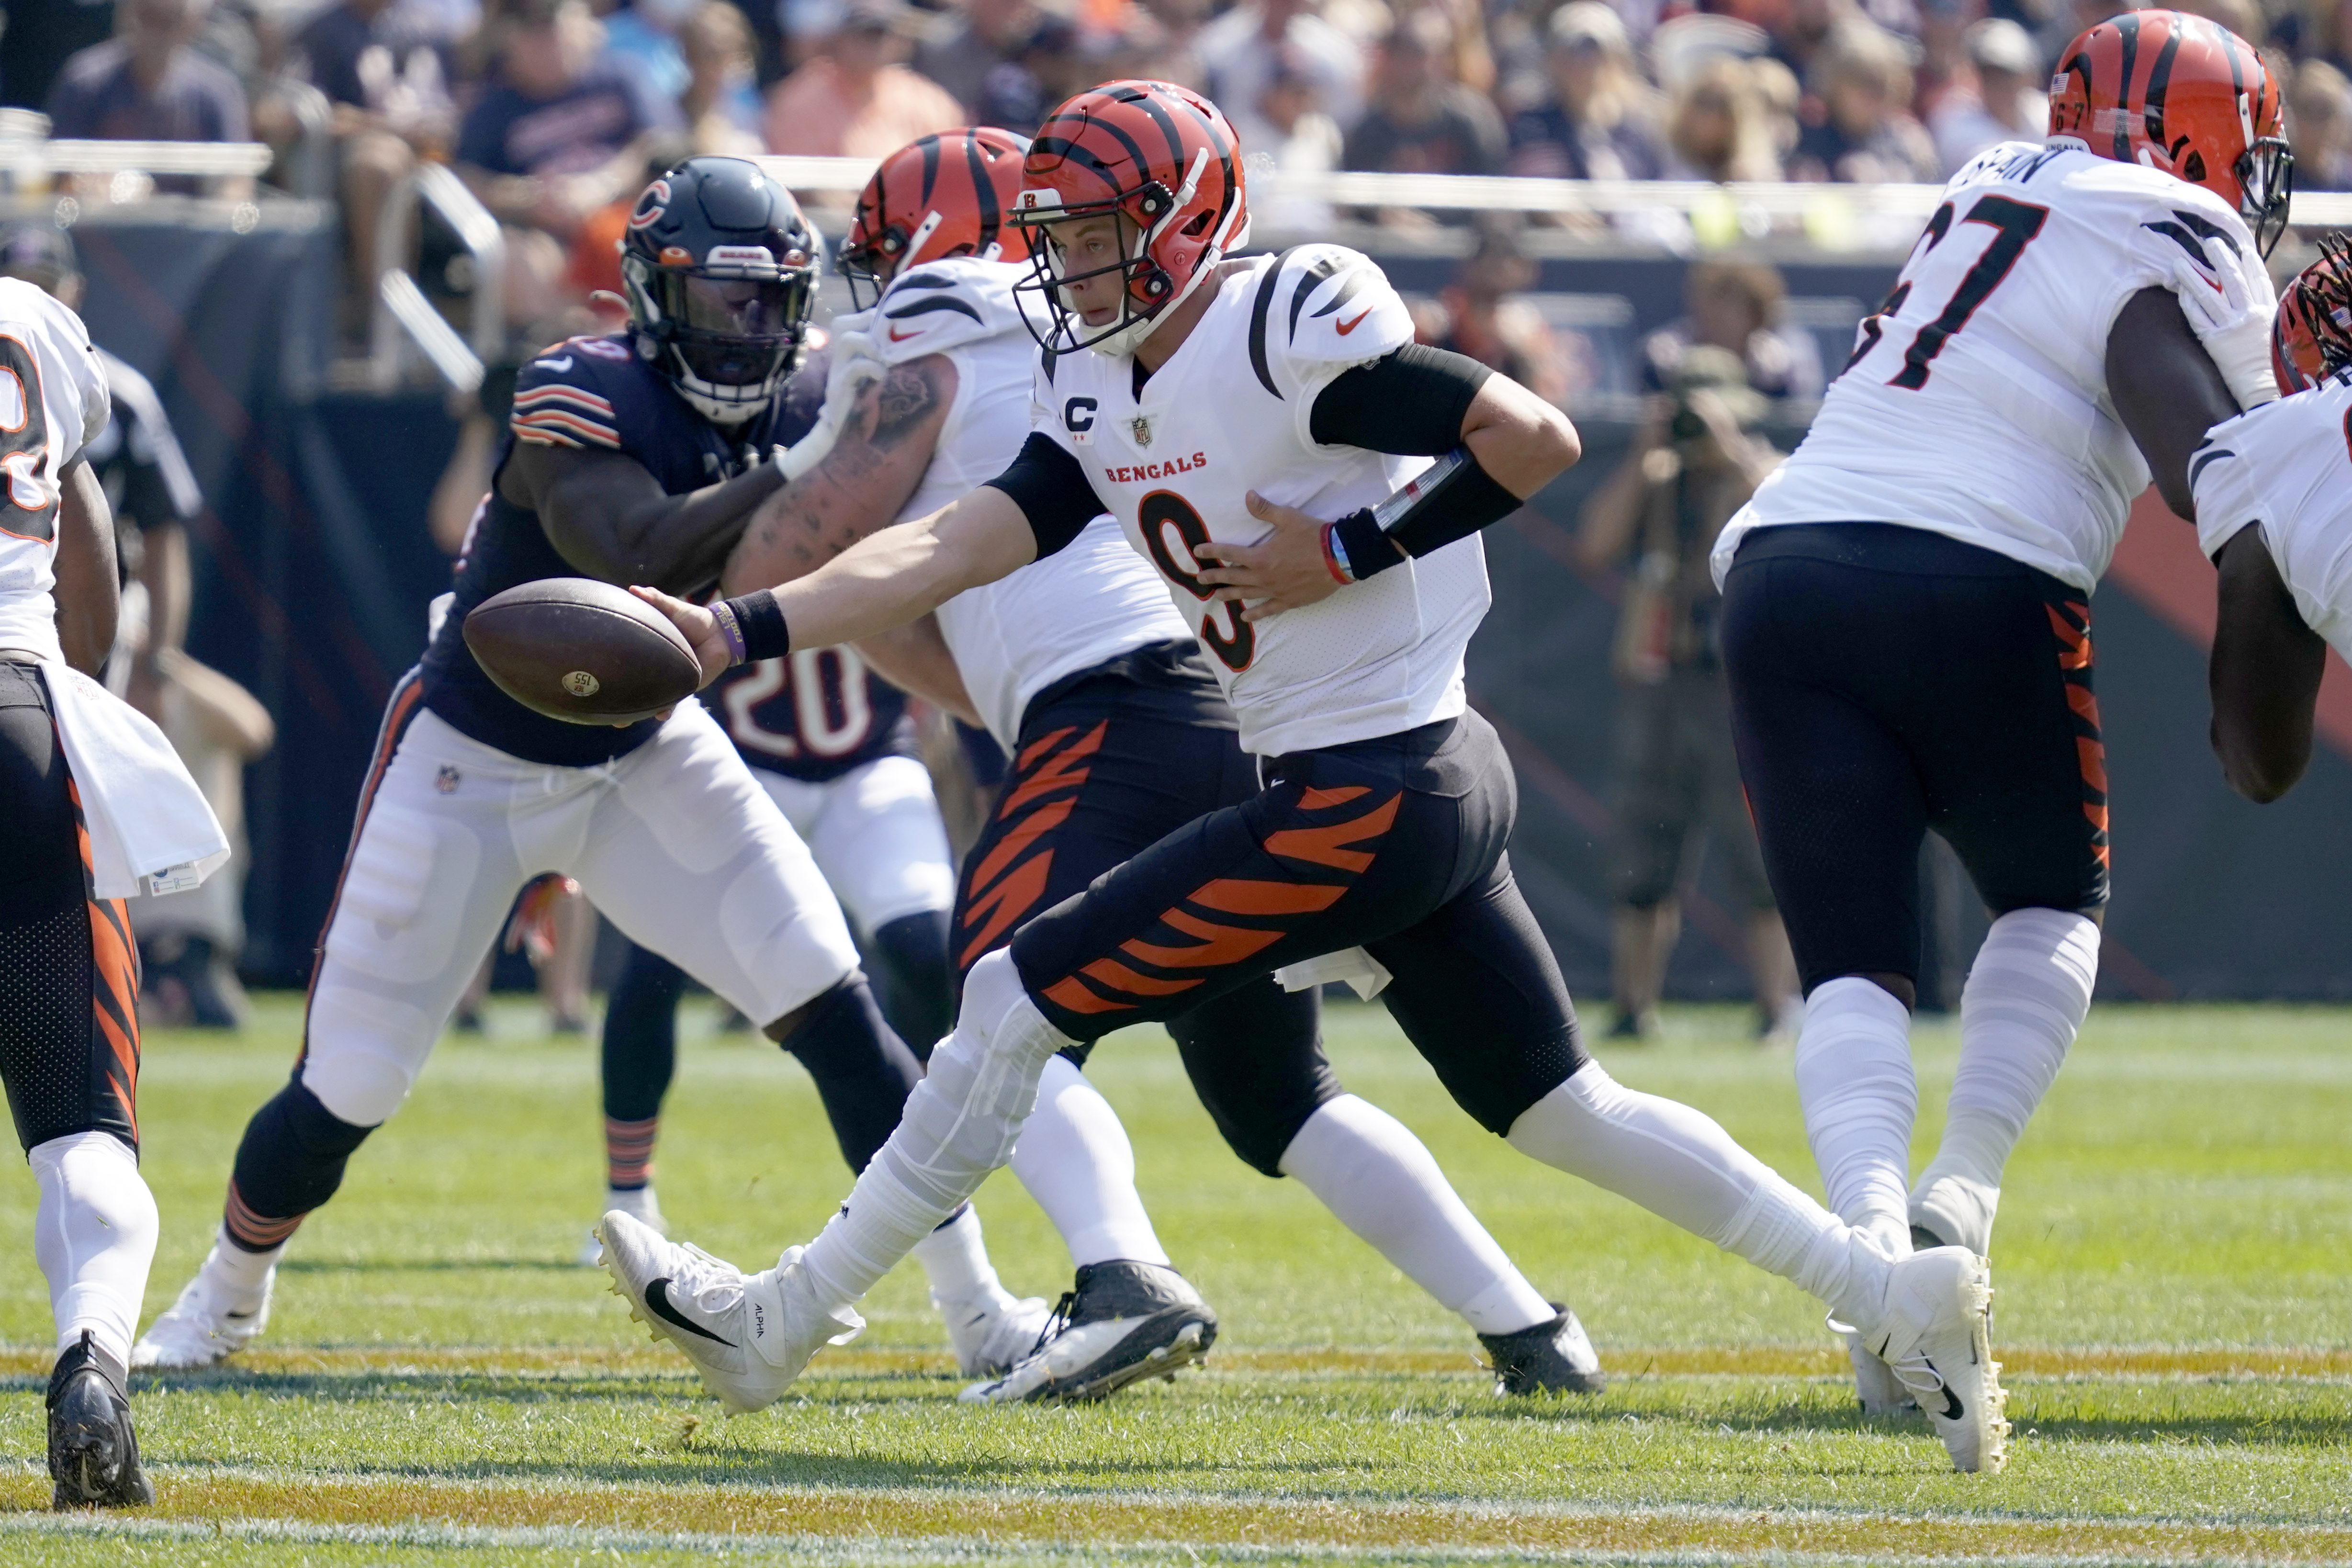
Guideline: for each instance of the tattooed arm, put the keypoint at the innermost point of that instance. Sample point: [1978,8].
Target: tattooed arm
[885,446]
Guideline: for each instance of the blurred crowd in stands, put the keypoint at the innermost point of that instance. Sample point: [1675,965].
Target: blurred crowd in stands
[553,111]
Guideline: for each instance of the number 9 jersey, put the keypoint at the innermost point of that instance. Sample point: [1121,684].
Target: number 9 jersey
[1231,411]
[53,402]
[1976,402]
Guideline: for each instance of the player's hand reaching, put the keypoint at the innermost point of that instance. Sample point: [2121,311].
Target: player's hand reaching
[697,626]
[1285,570]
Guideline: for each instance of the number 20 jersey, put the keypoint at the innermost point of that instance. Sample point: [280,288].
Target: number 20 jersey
[1976,404]
[53,402]
[1231,411]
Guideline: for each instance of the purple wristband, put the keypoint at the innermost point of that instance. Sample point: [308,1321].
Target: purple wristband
[731,629]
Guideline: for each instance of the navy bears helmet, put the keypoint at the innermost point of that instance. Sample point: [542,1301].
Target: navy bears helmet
[721,272]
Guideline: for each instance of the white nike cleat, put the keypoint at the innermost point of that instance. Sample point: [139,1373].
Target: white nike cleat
[1875,1386]
[212,1320]
[639,1204]
[990,1336]
[1954,1210]
[1936,1337]
[750,1335]
[1123,1323]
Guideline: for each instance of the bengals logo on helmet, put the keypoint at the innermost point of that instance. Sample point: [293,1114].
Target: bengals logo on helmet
[937,196]
[1167,163]
[2184,96]
[2311,336]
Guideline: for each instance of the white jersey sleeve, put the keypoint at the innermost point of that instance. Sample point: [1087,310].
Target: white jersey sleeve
[52,403]
[2286,468]
[1318,311]
[1976,402]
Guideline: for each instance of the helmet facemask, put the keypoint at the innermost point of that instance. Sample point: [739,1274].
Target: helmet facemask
[731,334]
[867,265]
[2265,172]
[1147,292]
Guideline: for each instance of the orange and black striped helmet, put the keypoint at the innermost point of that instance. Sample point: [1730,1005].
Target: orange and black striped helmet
[2311,336]
[1166,160]
[937,196]
[2185,95]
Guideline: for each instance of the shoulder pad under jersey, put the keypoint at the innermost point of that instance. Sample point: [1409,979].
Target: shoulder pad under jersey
[1317,307]
[945,305]
[581,392]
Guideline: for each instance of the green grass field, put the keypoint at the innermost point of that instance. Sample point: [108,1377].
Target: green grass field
[441,1384]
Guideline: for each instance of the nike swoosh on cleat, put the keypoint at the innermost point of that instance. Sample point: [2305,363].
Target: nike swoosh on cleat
[1347,327]
[1953,1409]
[657,1299]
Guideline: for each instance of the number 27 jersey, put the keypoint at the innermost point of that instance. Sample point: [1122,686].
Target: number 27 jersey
[1976,404]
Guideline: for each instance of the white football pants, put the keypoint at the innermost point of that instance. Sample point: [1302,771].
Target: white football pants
[676,843]
[876,834]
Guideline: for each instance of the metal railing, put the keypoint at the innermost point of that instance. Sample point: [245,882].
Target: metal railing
[403,312]
[1818,207]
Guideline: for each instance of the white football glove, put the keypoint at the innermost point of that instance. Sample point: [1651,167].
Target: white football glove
[2230,305]
[855,363]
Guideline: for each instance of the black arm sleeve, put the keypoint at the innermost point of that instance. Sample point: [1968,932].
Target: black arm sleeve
[1051,487]
[1411,403]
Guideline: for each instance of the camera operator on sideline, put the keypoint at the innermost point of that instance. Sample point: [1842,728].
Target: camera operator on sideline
[1693,464]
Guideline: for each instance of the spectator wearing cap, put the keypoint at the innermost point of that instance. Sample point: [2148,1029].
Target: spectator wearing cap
[1422,120]
[556,136]
[147,84]
[1598,122]
[1240,48]
[854,97]
[2008,104]
[1863,131]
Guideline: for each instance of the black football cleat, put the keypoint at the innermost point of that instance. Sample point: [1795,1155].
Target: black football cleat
[1123,1323]
[1550,1357]
[93,1452]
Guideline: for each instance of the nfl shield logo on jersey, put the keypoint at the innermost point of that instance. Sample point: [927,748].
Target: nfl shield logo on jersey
[1142,429]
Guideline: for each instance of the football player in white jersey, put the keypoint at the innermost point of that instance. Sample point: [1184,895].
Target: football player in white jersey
[69,967]
[2273,491]
[1906,600]
[1222,411]
[1091,681]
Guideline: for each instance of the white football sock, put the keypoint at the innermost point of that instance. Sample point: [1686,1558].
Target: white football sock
[1370,1171]
[2025,1000]
[1860,1098]
[93,1235]
[955,1262]
[243,1272]
[959,1124]
[1678,1163]
[1075,1160]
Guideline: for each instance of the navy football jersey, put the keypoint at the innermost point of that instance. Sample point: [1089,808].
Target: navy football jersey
[811,716]
[587,394]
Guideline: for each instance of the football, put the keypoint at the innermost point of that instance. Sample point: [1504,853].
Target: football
[582,651]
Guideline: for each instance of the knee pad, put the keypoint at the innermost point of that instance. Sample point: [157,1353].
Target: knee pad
[292,1157]
[982,1082]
